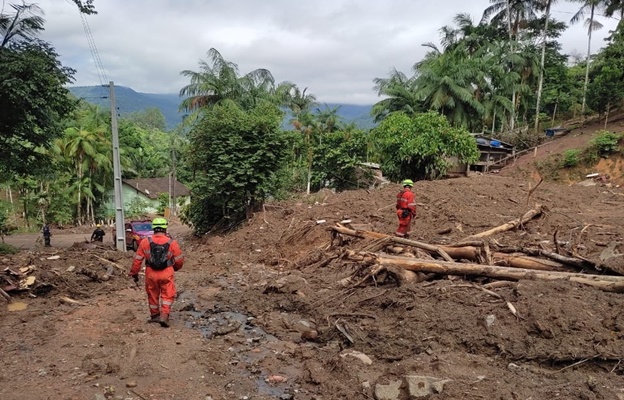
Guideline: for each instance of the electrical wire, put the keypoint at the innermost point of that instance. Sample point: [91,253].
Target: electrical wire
[94,51]
[97,61]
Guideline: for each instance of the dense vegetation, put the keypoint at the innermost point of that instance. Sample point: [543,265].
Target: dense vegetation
[505,75]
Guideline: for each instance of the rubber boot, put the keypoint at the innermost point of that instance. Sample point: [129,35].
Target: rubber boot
[164,320]
[154,318]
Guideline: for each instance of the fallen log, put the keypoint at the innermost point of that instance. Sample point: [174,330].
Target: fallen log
[446,252]
[571,261]
[524,261]
[607,283]
[529,215]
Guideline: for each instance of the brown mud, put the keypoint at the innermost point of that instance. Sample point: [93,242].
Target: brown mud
[258,317]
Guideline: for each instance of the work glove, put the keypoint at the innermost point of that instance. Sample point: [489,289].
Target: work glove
[405,213]
[135,278]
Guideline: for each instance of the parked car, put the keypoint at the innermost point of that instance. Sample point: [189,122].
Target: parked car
[137,230]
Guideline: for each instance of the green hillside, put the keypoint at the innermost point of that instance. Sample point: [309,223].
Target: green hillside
[129,101]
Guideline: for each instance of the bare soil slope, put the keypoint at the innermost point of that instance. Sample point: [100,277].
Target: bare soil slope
[257,319]
[578,138]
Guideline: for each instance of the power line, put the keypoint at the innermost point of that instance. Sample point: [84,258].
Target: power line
[94,51]
[99,67]
[595,14]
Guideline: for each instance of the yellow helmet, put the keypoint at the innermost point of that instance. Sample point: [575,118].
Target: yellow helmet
[98,226]
[408,182]
[159,223]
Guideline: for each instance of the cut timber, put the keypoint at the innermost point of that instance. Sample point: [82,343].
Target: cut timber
[523,261]
[607,283]
[529,215]
[446,252]
[571,261]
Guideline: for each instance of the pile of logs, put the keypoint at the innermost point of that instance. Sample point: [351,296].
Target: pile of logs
[474,256]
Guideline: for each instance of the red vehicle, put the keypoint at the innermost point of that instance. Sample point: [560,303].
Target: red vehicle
[136,231]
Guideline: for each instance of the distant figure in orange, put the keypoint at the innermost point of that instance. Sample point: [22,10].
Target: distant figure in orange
[162,256]
[406,208]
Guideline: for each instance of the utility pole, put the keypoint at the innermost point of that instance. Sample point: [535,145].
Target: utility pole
[173,173]
[120,230]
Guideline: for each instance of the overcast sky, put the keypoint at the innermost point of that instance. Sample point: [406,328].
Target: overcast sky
[335,48]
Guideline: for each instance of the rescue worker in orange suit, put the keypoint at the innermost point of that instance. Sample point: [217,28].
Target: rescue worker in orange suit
[406,208]
[162,256]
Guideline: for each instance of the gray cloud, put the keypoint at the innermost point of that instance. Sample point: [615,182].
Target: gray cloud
[334,47]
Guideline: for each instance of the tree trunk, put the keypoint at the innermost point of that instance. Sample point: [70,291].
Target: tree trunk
[541,74]
[589,34]
[529,215]
[607,116]
[607,283]
[522,261]
[493,122]
[79,206]
[554,112]
[447,252]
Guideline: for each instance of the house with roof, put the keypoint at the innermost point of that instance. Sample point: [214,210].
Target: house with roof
[493,154]
[149,191]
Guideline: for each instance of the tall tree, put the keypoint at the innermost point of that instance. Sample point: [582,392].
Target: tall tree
[540,83]
[514,14]
[34,99]
[236,154]
[218,80]
[591,7]
[399,92]
[23,25]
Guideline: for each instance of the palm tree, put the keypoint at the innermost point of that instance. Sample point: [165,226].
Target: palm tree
[613,7]
[25,23]
[540,84]
[447,83]
[298,101]
[590,6]
[218,80]
[399,93]
[511,13]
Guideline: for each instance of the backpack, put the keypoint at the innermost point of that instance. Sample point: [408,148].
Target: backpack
[158,255]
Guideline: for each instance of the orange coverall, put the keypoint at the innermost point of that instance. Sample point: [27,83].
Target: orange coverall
[159,283]
[406,201]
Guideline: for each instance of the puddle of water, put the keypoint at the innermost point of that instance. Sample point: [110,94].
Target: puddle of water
[221,323]
[17,306]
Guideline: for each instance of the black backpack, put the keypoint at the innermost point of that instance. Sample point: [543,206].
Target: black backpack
[158,255]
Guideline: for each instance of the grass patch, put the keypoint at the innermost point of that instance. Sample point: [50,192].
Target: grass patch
[6,248]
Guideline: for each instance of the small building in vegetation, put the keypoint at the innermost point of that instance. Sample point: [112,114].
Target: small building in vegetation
[493,154]
[147,194]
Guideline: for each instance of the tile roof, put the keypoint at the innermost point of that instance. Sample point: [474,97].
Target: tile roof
[152,187]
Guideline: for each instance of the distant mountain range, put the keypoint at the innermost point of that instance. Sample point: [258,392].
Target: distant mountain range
[129,101]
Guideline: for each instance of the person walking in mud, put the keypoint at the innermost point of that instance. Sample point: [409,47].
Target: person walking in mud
[406,209]
[162,256]
[46,235]
[98,234]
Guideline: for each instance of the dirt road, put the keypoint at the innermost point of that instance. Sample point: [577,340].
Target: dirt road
[66,238]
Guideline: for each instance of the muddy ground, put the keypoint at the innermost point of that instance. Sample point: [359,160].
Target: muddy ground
[255,319]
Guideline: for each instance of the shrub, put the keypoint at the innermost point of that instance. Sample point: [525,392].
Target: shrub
[606,143]
[136,208]
[571,158]
[7,249]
